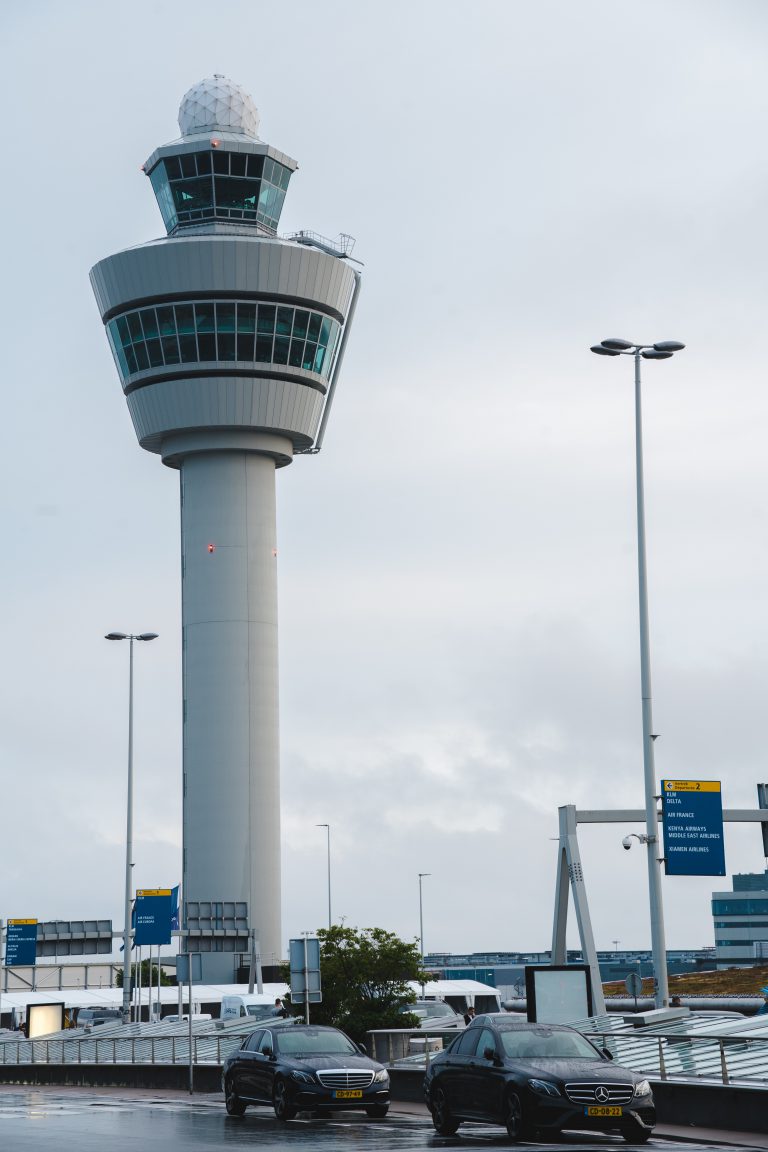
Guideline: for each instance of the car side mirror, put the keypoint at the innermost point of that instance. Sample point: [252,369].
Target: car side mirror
[608,1054]
[362,1049]
[489,1053]
[266,1051]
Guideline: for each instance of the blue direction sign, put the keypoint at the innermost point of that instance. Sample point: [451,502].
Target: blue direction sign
[153,916]
[20,942]
[692,811]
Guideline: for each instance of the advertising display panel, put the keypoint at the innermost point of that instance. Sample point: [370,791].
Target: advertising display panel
[558,994]
[692,811]
[43,1019]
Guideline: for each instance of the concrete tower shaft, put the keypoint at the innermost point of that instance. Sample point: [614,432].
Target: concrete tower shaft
[227,341]
[231,752]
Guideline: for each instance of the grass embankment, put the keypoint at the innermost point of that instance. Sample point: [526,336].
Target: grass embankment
[729,982]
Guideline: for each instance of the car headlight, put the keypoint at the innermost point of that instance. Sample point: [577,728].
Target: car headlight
[642,1088]
[544,1088]
[381,1077]
[303,1077]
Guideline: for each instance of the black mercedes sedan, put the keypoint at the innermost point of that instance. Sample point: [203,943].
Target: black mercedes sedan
[303,1068]
[535,1076]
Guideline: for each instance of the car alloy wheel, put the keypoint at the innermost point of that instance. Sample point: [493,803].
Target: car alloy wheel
[232,1102]
[444,1121]
[284,1110]
[513,1116]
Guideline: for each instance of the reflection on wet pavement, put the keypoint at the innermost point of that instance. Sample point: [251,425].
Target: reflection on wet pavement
[88,1120]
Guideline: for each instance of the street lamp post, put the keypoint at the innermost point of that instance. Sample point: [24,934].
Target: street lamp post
[129,821]
[328,831]
[421,914]
[660,351]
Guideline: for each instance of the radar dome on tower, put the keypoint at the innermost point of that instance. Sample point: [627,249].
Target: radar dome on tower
[218,105]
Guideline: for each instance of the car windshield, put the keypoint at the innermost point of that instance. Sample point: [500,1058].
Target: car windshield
[316,1042]
[260,1010]
[544,1044]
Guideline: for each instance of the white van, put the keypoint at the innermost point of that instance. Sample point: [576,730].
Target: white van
[255,1004]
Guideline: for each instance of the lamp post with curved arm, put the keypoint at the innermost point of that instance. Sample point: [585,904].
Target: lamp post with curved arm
[662,350]
[129,821]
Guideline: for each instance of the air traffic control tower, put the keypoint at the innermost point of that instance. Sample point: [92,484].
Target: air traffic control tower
[228,341]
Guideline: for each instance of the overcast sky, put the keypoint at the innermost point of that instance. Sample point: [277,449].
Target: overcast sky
[459,650]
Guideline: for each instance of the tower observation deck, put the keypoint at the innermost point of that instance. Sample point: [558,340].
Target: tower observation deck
[228,340]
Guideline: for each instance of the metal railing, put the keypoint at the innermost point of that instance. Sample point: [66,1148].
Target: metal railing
[679,1056]
[666,1056]
[112,1050]
[660,1056]
[407,1047]
[341,246]
[132,1044]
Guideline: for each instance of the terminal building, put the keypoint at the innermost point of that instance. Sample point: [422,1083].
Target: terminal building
[505,971]
[741,920]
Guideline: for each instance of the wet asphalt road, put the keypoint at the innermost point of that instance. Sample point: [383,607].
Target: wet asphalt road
[87,1120]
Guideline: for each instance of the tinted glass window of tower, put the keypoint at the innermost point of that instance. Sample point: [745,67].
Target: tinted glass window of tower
[191,188]
[215,331]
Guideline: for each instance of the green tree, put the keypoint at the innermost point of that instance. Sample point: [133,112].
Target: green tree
[146,968]
[364,974]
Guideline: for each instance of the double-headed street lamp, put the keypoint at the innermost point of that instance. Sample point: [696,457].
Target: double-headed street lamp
[129,821]
[660,351]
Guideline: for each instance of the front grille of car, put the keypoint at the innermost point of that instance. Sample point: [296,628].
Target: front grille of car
[345,1078]
[592,1093]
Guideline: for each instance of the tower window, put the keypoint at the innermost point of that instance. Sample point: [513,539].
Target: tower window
[220,185]
[223,331]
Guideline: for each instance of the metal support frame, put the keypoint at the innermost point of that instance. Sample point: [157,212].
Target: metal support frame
[569,870]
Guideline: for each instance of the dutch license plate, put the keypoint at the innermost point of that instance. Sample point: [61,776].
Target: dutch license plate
[602,1110]
[351,1094]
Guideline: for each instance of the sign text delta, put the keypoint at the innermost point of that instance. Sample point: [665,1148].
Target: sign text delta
[692,811]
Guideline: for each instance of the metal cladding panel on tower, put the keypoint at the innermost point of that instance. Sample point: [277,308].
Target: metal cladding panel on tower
[202,264]
[282,407]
